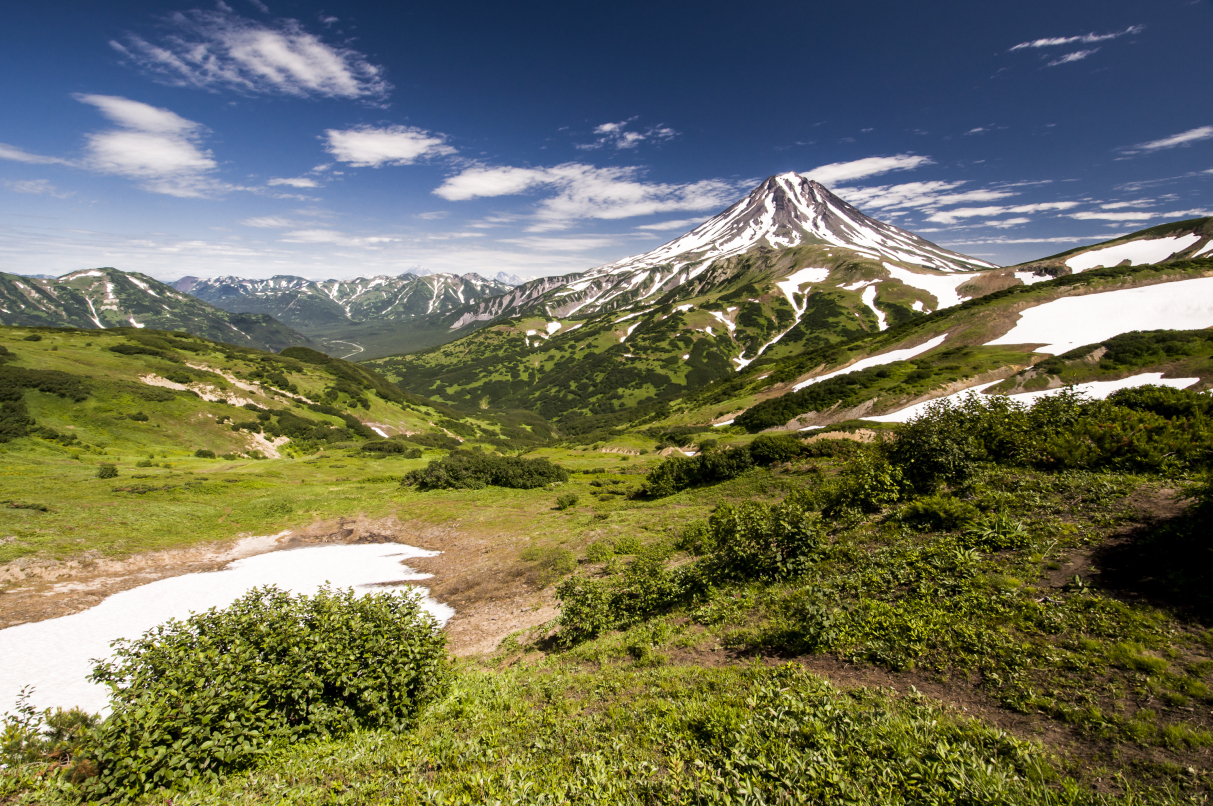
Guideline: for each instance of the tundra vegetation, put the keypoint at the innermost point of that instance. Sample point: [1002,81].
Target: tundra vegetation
[989,604]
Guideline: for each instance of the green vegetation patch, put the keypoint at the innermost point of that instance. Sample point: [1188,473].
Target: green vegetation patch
[473,470]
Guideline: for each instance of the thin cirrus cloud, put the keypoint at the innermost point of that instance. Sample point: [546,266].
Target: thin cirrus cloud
[837,173]
[617,136]
[1085,39]
[154,146]
[216,50]
[372,147]
[36,187]
[16,154]
[294,181]
[954,215]
[1174,141]
[586,192]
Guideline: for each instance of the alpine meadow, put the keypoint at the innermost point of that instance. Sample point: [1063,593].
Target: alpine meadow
[426,405]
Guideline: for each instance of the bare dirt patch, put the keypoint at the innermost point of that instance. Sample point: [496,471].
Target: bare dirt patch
[484,584]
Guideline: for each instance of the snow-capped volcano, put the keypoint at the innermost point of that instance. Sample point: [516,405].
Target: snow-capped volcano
[784,211]
[789,210]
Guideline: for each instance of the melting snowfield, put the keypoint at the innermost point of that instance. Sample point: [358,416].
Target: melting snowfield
[1096,389]
[55,655]
[1136,252]
[1063,324]
[876,361]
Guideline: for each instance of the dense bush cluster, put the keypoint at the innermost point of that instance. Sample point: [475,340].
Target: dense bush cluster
[192,700]
[471,470]
[683,472]
[1149,428]
[391,447]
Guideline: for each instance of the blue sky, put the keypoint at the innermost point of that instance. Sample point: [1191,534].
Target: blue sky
[258,138]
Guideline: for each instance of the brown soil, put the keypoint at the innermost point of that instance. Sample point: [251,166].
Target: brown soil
[492,597]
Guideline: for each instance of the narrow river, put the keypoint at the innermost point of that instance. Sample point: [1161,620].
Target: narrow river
[56,656]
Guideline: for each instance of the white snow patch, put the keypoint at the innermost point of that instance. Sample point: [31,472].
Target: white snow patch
[553,327]
[688,306]
[1028,278]
[54,655]
[1096,389]
[379,431]
[1070,322]
[719,425]
[869,299]
[858,285]
[1207,247]
[632,316]
[629,333]
[791,284]
[1136,252]
[685,357]
[918,306]
[136,324]
[941,286]
[875,361]
[717,314]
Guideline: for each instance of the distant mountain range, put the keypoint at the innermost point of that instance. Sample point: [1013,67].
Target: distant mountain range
[107,298]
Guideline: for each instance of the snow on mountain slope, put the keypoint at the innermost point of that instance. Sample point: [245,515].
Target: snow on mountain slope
[309,303]
[1069,322]
[1136,252]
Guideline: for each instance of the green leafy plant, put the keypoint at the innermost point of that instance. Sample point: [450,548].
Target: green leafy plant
[107,471]
[566,500]
[195,699]
[473,471]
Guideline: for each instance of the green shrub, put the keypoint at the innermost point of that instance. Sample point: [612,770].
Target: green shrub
[549,563]
[997,531]
[938,513]
[757,541]
[107,471]
[32,337]
[832,448]
[767,449]
[600,551]
[473,471]
[590,607]
[393,447]
[57,736]
[145,463]
[866,484]
[203,453]
[680,472]
[567,500]
[195,699]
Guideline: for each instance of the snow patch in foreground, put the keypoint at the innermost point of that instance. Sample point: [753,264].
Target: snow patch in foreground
[1096,389]
[55,655]
[1138,253]
[1069,322]
[875,361]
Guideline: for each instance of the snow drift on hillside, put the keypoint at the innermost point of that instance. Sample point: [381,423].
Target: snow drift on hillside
[1138,253]
[1069,322]
[1095,389]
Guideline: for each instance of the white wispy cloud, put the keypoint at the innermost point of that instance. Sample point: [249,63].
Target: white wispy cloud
[1139,215]
[1076,56]
[37,187]
[368,146]
[572,244]
[295,182]
[1085,39]
[616,135]
[679,223]
[919,196]
[1174,141]
[837,173]
[270,222]
[8,152]
[1007,223]
[955,214]
[585,191]
[157,147]
[336,238]
[222,50]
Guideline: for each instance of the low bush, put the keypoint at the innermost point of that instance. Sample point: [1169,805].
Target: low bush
[936,513]
[565,501]
[195,699]
[203,453]
[107,471]
[469,470]
[767,542]
[392,447]
[548,563]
